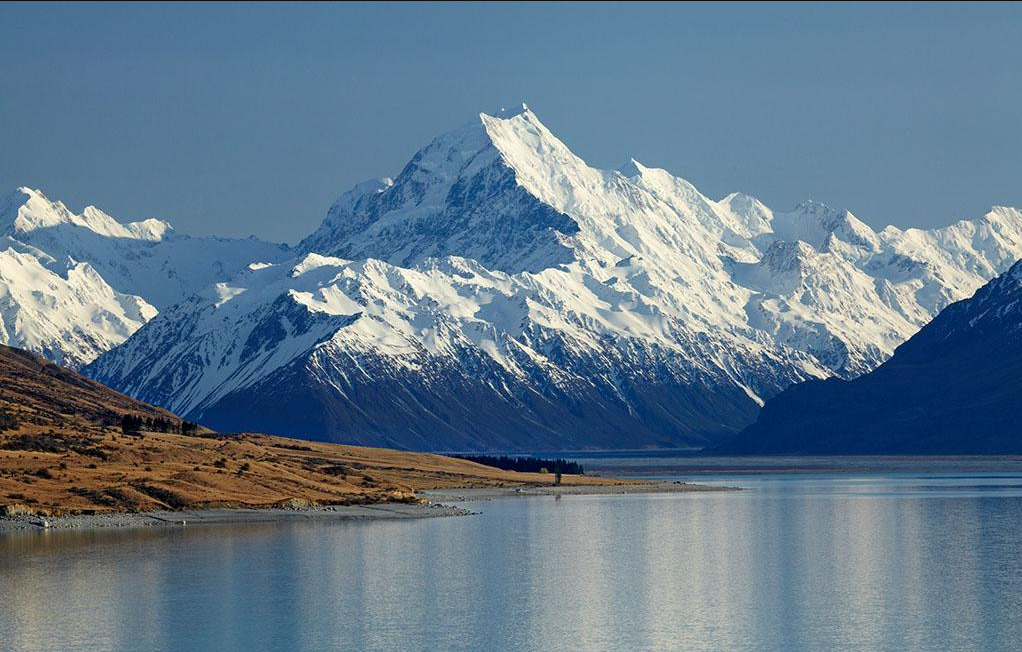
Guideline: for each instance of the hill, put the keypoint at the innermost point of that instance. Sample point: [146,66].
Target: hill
[62,450]
[46,394]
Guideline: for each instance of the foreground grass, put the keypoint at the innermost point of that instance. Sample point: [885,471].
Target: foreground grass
[47,470]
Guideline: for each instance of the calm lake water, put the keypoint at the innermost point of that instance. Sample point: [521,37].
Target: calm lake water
[871,556]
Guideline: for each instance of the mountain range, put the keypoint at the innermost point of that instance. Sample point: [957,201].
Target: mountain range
[73,286]
[498,293]
[952,389]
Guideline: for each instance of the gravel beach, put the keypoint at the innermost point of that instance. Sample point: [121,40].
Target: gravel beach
[191,518]
[435,508]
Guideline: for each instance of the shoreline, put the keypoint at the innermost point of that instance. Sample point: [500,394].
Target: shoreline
[646,487]
[224,516]
[435,507]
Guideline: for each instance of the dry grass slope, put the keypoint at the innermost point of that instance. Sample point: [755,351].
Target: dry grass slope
[68,455]
[53,395]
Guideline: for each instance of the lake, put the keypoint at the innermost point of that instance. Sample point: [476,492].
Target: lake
[812,555]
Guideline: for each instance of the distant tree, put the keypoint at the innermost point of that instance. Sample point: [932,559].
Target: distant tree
[525,464]
[134,424]
[131,424]
[161,424]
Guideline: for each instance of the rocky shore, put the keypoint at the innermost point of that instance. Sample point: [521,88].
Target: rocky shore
[191,518]
[435,507]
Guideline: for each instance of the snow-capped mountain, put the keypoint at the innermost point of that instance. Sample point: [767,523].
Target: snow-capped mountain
[952,389]
[73,286]
[501,293]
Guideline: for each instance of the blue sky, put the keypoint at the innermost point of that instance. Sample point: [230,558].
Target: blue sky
[238,119]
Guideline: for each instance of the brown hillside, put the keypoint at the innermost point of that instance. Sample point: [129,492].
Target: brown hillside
[50,394]
[67,454]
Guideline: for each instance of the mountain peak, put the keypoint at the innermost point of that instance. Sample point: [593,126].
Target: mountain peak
[514,129]
[814,207]
[356,193]
[513,112]
[28,209]
[818,224]
[149,229]
[468,193]
[1003,215]
[632,168]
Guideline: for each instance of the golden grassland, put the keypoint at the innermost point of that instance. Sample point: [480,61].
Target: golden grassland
[67,454]
[44,470]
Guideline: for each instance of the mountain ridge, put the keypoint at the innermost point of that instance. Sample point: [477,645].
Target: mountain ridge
[73,286]
[573,305]
[950,389]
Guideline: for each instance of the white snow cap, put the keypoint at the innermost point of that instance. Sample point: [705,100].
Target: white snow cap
[29,209]
[504,112]
[632,168]
[75,285]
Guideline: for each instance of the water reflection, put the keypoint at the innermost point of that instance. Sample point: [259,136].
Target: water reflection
[798,564]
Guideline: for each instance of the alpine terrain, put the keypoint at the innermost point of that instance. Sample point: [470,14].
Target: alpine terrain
[499,293]
[73,286]
[953,388]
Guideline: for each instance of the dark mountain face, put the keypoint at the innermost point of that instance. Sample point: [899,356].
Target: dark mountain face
[484,409]
[954,388]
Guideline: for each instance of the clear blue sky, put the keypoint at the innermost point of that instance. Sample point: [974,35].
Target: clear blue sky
[238,119]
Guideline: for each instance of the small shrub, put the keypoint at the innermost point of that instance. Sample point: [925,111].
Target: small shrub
[8,420]
[17,509]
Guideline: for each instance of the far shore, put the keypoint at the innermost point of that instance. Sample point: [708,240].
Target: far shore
[435,505]
[626,487]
